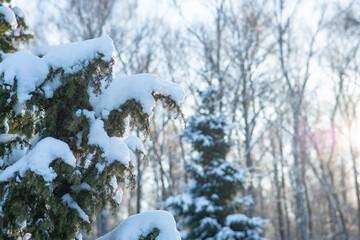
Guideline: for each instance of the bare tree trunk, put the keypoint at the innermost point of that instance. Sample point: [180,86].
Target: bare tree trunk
[138,185]
[280,216]
[283,186]
[356,181]
[101,223]
[308,206]
[301,213]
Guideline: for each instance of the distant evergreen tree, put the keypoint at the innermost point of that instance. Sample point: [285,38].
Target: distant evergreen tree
[63,157]
[211,208]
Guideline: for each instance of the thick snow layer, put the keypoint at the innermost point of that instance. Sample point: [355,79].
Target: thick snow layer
[142,224]
[39,158]
[138,87]
[30,70]
[70,56]
[18,12]
[134,143]
[9,16]
[113,147]
[72,204]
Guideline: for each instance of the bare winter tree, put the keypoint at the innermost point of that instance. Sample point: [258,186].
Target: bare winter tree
[296,76]
[83,19]
[343,54]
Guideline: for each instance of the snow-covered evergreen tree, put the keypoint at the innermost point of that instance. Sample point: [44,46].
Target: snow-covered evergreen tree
[63,152]
[211,208]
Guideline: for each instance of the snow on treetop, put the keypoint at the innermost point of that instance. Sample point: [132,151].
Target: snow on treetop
[31,70]
[69,56]
[9,16]
[138,87]
[39,158]
[142,224]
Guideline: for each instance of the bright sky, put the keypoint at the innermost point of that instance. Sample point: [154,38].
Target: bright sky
[195,10]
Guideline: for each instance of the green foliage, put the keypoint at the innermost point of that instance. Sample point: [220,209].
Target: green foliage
[151,236]
[27,197]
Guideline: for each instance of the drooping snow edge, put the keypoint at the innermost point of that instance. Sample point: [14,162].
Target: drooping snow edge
[139,87]
[142,224]
[39,158]
[31,69]
[9,16]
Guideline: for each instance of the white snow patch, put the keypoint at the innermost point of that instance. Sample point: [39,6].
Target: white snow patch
[19,109]
[118,196]
[39,158]
[4,199]
[100,167]
[17,152]
[209,221]
[227,233]
[71,56]
[142,224]
[50,86]
[138,87]
[35,140]
[184,199]
[134,143]
[85,186]
[79,139]
[247,200]
[113,147]
[113,183]
[9,16]
[4,138]
[72,204]
[29,70]
[235,218]
[202,203]
[18,12]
